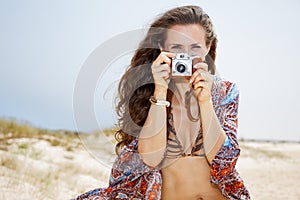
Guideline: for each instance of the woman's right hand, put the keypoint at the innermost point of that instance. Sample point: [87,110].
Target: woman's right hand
[161,69]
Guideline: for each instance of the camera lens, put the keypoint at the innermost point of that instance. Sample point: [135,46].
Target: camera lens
[180,67]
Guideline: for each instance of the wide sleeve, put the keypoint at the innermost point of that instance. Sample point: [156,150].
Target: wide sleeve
[223,173]
[130,178]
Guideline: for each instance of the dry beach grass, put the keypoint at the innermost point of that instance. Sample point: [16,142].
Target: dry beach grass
[43,164]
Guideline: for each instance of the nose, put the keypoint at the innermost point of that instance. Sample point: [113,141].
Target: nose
[186,50]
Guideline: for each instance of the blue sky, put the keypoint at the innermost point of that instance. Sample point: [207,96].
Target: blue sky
[45,44]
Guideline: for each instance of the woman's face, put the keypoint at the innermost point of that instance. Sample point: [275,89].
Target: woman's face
[188,39]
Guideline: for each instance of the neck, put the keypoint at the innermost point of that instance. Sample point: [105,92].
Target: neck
[182,86]
[188,102]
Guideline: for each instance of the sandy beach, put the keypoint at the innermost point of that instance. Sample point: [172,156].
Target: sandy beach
[35,168]
[271,170]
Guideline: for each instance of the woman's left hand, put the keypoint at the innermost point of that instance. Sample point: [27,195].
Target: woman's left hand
[201,82]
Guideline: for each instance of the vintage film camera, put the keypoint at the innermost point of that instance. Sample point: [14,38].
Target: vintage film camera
[182,65]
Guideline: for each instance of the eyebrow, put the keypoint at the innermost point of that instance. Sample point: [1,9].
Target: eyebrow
[175,44]
[196,44]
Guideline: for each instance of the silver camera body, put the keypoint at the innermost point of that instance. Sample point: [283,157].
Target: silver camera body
[182,65]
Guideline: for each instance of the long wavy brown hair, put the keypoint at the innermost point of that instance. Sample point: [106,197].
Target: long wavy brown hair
[136,85]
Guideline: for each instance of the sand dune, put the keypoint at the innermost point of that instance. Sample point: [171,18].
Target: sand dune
[34,168]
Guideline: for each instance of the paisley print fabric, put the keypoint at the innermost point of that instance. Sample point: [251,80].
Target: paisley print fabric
[132,179]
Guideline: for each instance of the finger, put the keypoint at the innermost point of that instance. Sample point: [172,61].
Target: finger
[160,68]
[161,59]
[165,75]
[197,75]
[169,54]
[200,85]
[164,57]
[162,72]
[202,66]
[165,67]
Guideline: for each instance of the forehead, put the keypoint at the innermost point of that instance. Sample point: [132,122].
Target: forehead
[185,34]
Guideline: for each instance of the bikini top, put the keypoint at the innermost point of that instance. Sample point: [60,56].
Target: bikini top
[174,148]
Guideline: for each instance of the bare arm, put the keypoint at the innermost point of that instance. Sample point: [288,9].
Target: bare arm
[153,136]
[152,140]
[213,133]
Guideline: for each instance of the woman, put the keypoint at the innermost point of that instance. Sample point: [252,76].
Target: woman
[177,136]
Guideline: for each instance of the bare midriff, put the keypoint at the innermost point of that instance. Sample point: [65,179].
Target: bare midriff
[189,178]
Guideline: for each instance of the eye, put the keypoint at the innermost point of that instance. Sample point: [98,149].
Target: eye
[196,47]
[176,47]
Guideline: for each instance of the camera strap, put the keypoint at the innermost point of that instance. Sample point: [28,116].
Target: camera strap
[187,101]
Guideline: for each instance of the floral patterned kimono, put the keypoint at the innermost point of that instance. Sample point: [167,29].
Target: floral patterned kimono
[132,179]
